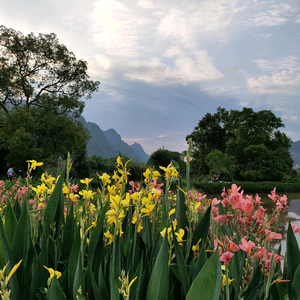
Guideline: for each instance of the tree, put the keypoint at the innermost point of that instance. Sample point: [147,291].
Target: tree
[37,71]
[208,135]
[258,150]
[41,135]
[163,157]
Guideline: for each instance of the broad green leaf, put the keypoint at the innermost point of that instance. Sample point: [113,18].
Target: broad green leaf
[202,227]
[182,268]
[102,284]
[296,284]
[8,257]
[257,292]
[53,202]
[68,234]
[55,291]
[78,278]
[10,222]
[292,258]
[207,284]
[73,260]
[159,281]
[181,209]
[201,260]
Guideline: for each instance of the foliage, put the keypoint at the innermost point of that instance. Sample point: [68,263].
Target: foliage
[250,139]
[38,71]
[44,135]
[247,186]
[162,157]
[60,242]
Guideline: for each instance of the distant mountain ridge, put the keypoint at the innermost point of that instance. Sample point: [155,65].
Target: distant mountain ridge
[295,152]
[109,143]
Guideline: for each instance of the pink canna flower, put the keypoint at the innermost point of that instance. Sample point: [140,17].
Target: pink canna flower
[257,199]
[283,200]
[273,195]
[272,235]
[277,258]
[295,228]
[226,257]
[261,253]
[259,213]
[231,245]
[246,246]
[215,201]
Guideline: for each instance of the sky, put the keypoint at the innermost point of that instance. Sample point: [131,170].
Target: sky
[163,65]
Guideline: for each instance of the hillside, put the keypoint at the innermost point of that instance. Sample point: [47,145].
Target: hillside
[295,152]
[109,144]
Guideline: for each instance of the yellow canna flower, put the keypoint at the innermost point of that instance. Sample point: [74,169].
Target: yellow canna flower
[86,181]
[109,237]
[32,164]
[13,270]
[172,211]
[224,280]
[52,273]
[105,178]
[140,226]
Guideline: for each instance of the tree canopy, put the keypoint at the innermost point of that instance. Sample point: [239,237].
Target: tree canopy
[38,71]
[249,141]
[42,87]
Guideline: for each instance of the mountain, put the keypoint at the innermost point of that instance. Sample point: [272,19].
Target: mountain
[109,144]
[295,152]
[97,144]
[119,145]
[138,149]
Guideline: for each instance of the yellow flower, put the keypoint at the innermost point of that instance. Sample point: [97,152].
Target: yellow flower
[172,211]
[155,174]
[119,161]
[86,195]
[52,273]
[105,178]
[32,164]
[140,226]
[224,280]
[86,181]
[179,236]
[195,248]
[109,237]
[13,270]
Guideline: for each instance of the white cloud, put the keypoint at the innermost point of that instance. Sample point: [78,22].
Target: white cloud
[297,19]
[115,28]
[284,77]
[187,23]
[279,82]
[162,136]
[188,67]
[278,14]
[264,35]
[134,140]
[244,103]
[294,118]
[145,4]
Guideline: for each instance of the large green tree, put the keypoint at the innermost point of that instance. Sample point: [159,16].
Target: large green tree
[210,134]
[38,71]
[252,140]
[42,86]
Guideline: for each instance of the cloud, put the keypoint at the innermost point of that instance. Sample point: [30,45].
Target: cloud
[186,23]
[134,140]
[278,14]
[146,4]
[244,104]
[294,118]
[264,35]
[280,82]
[162,136]
[115,28]
[297,19]
[284,77]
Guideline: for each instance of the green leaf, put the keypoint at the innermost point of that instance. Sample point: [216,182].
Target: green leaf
[53,202]
[55,291]
[159,281]
[181,209]
[292,258]
[296,285]
[182,268]
[8,257]
[68,234]
[78,278]
[207,284]
[10,222]
[202,227]
[201,260]
[73,260]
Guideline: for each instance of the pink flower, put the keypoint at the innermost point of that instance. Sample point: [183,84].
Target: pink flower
[215,201]
[272,235]
[231,245]
[257,199]
[246,246]
[283,200]
[226,257]
[277,258]
[295,228]
[273,195]
[261,253]
[260,213]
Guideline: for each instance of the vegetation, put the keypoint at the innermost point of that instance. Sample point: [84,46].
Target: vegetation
[62,242]
[42,85]
[244,145]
